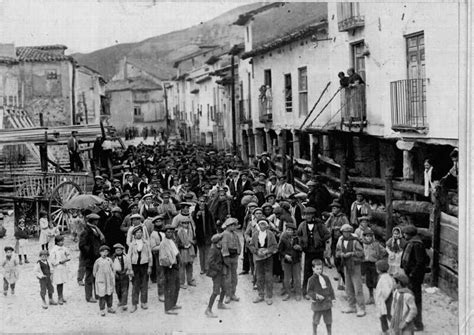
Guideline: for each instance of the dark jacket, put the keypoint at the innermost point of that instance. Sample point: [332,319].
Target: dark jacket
[215,262]
[319,198]
[270,244]
[320,235]
[414,259]
[287,246]
[205,228]
[314,287]
[20,233]
[112,232]
[89,244]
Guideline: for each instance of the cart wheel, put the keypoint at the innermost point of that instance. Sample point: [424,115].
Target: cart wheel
[61,194]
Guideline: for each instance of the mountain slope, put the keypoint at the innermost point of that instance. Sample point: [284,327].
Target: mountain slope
[165,48]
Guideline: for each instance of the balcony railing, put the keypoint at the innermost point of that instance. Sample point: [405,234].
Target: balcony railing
[349,18]
[353,106]
[265,109]
[244,111]
[408,101]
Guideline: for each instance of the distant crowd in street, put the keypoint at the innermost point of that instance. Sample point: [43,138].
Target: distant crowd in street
[173,205]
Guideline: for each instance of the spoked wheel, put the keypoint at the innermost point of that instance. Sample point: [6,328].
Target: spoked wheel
[61,194]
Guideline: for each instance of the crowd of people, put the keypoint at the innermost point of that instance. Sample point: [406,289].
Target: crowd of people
[170,206]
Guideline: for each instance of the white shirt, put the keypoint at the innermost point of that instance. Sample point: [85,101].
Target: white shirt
[262,235]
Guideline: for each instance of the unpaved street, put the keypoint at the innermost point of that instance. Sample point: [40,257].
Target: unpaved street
[23,313]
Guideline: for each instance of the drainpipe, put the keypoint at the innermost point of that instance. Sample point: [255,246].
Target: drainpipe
[73,91]
[234,130]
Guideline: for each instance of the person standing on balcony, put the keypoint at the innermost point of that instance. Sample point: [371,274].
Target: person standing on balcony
[343,79]
[73,148]
[354,78]
[268,99]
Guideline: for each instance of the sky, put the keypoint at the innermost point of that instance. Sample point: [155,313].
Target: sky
[88,25]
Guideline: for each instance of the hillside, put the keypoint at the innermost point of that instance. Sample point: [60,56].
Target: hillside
[167,47]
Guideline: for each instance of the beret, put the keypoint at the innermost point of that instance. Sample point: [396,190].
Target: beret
[229,222]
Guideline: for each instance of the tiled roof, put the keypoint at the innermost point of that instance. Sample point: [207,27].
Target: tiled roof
[132,84]
[8,60]
[278,42]
[36,54]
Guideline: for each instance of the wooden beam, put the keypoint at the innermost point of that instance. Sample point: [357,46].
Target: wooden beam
[389,202]
[411,206]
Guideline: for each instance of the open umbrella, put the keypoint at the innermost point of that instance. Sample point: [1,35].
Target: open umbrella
[83,201]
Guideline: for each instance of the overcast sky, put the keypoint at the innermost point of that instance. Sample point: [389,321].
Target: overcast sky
[87,25]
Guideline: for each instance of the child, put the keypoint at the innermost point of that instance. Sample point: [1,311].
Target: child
[44,230]
[141,259]
[216,272]
[10,270]
[186,238]
[53,233]
[76,224]
[43,272]
[373,252]
[322,293]
[21,236]
[122,268]
[383,294]
[394,247]
[403,307]
[363,225]
[60,255]
[104,280]
[290,253]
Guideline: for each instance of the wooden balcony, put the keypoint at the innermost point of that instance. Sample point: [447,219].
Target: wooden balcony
[265,110]
[353,106]
[408,105]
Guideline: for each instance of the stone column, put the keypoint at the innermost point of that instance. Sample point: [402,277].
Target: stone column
[296,144]
[269,141]
[408,159]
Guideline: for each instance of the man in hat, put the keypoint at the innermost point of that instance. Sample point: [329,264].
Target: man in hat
[312,235]
[157,235]
[205,229]
[132,209]
[264,164]
[74,153]
[346,198]
[284,189]
[297,207]
[136,221]
[221,208]
[359,208]
[122,268]
[167,208]
[131,186]
[169,261]
[90,241]
[334,223]
[231,250]
[414,262]
[318,195]
[272,184]
[350,250]
[124,202]
[290,253]
[112,232]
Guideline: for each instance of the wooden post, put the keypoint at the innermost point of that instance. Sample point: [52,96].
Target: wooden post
[435,229]
[314,158]
[388,202]
[343,171]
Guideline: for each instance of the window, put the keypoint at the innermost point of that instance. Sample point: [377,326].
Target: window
[416,56]
[208,116]
[346,10]
[288,93]
[267,77]
[10,100]
[137,114]
[303,90]
[51,75]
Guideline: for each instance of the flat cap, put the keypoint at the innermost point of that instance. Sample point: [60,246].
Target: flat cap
[270,195]
[346,227]
[118,245]
[410,230]
[310,210]
[98,177]
[335,204]
[252,204]
[116,209]
[401,277]
[136,229]
[135,216]
[104,247]
[229,221]
[41,253]
[168,227]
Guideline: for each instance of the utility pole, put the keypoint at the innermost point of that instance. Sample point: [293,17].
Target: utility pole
[234,126]
[165,87]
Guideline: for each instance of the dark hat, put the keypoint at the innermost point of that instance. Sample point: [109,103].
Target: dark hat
[285,205]
[266,205]
[368,231]
[270,195]
[401,277]
[118,245]
[335,204]
[136,229]
[382,265]
[291,225]
[185,204]
[133,204]
[310,210]
[42,252]
[93,216]
[104,247]
[8,248]
[410,230]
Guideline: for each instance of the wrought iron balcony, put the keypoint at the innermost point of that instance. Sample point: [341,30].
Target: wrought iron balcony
[408,102]
[353,106]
